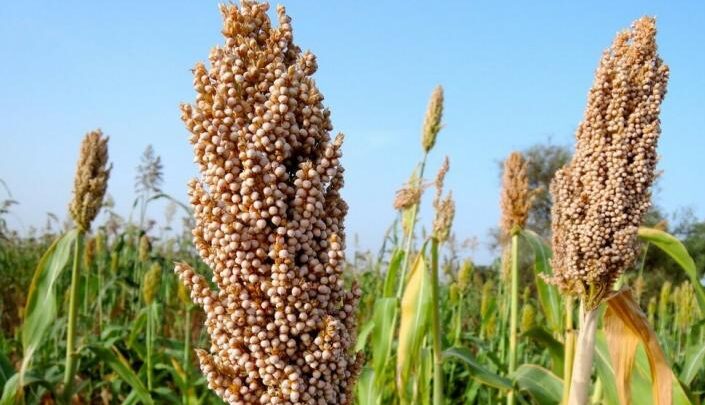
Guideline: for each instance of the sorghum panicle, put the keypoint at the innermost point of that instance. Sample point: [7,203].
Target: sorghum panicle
[407,196]
[444,207]
[432,121]
[269,221]
[150,283]
[515,199]
[91,180]
[602,194]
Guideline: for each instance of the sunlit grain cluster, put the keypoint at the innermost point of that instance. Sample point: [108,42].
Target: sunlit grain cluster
[269,221]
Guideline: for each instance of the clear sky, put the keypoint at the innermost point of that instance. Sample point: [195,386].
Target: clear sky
[514,73]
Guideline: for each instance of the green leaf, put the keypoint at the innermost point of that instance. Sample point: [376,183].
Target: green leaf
[6,369]
[605,371]
[41,308]
[385,310]
[390,280]
[477,371]
[694,361]
[188,390]
[364,333]
[641,382]
[10,390]
[114,359]
[365,390]
[674,248]
[543,386]
[555,348]
[549,297]
[13,389]
[425,374]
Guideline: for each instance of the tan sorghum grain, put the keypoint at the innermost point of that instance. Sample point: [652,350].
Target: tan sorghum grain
[602,194]
[515,200]
[91,180]
[269,221]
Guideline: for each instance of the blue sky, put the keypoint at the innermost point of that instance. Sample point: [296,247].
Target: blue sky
[514,74]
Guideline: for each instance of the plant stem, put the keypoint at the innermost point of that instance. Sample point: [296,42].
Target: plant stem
[569,351]
[436,325]
[410,236]
[585,349]
[71,354]
[150,332]
[514,312]
[187,339]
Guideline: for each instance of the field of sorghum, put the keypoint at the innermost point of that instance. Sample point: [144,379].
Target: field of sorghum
[591,300]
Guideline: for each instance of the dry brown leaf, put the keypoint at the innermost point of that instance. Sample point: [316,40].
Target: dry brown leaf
[625,326]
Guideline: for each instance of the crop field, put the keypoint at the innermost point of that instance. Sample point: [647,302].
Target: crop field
[253,291]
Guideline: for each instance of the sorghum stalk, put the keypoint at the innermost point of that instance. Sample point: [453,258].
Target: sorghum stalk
[188,305]
[431,127]
[584,351]
[445,211]
[515,203]
[514,313]
[150,288]
[71,355]
[602,194]
[569,352]
[269,221]
[436,327]
[90,184]
[410,235]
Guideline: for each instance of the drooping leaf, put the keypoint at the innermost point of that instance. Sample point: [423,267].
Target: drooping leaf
[625,327]
[642,382]
[675,249]
[549,297]
[543,386]
[477,371]
[555,348]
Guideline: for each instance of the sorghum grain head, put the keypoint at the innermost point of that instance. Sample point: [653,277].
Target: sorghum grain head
[651,310]
[432,121]
[602,194]
[664,299]
[150,284]
[89,253]
[445,207]
[465,275]
[407,197]
[269,221]
[528,318]
[91,180]
[515,199]
[144,248]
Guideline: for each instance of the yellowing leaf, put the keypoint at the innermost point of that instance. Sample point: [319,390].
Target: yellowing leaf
[415,316]
[625,327]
